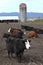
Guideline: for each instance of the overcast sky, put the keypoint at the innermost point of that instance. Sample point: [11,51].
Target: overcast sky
[13,5]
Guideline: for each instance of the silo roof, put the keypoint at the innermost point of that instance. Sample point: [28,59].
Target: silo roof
[22,5]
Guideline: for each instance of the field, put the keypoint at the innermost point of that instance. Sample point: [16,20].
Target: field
[34,56]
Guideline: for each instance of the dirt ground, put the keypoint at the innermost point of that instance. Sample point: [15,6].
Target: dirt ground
[34,56]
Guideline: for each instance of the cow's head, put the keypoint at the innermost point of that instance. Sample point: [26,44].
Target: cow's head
[24,33]
[9,29]
[27,44]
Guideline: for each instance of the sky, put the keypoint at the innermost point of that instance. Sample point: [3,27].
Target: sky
[13,5]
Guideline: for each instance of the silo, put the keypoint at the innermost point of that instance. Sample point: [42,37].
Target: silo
[23,12]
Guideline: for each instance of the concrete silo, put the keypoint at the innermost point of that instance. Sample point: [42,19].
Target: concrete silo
[23,12]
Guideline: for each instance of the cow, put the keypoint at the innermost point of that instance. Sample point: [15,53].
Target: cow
[16,32]
[33,33]
[17,46]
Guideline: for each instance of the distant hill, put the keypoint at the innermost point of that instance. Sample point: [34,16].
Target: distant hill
[9,14]
[29,14]
[34,15]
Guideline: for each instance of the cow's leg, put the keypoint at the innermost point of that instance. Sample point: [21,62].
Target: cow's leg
[19,57]
[9,54]
[12,51]
[36,36]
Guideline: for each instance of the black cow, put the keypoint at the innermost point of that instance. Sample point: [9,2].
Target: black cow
[17,46]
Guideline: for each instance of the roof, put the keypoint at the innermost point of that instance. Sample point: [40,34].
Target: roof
[22,5]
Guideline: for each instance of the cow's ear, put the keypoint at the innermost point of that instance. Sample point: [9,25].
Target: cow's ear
[23,41]
[29,40]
